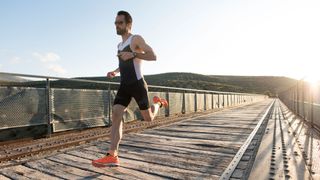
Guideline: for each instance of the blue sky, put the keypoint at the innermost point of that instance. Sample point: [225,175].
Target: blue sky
[77,37]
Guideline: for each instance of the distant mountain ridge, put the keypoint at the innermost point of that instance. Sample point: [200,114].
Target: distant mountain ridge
[269,85]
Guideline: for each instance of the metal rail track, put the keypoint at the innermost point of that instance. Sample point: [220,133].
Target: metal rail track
[237,158]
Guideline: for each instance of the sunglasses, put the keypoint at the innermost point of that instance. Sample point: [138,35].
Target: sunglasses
[118,22]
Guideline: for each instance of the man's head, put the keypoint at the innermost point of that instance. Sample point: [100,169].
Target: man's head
[123,22]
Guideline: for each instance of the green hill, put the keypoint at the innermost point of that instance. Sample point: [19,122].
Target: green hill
[269,85]
[250,84]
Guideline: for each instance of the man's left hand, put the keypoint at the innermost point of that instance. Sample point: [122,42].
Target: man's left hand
[125,56]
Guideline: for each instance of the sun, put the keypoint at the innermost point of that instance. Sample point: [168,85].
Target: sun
[312,79]
[314,82]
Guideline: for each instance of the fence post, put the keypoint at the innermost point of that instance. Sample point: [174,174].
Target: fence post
[48,99]
[218,101]
[183,102]
[212,101]
[223,101]
[167,110]
[228,100]
[195,102]
[109,105]
[205,101]
[297,100]
[303,109]
[233,99]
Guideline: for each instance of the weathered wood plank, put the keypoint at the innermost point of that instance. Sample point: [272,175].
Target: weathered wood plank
[201,129]
[199,145]
[12,175]
[190,141]
[63,170]
[20,171]
[115,172]
[2,177]
[203,136]
[165,148]
[148,167]
[189,162]
[226,127]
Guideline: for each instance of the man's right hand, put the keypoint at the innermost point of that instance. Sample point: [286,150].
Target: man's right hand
[111,74]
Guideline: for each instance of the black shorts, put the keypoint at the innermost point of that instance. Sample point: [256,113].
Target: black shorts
[137,90]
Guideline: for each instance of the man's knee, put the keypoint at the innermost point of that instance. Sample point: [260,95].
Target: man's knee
[117,111]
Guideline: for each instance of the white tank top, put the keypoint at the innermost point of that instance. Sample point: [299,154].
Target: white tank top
[130,70]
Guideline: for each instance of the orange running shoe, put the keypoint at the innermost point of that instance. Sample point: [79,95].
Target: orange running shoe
[163,102]
[107,161]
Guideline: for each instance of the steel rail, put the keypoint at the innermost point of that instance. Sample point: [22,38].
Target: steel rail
[236,159]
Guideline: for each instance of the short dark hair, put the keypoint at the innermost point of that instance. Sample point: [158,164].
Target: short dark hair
[127,16]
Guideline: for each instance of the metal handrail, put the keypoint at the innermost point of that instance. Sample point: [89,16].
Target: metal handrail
[115,83]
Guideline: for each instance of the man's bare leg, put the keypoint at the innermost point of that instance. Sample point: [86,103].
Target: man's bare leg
[151,113]
[116,128]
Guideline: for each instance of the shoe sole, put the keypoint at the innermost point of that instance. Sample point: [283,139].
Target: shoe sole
[105,165]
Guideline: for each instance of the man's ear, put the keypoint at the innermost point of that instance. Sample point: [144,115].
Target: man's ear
[130,26]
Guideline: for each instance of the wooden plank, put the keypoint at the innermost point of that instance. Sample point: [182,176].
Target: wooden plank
[20,171]
[216,121]
[194,162]
[209,128]
[191,141]
[202,136]
[227,126]
[204,130]
[115,172]
[148,167]
[175,149]
[12,176]
[199,145]
[2,177]
[62,170]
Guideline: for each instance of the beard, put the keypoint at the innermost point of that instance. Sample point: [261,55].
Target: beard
[121,31]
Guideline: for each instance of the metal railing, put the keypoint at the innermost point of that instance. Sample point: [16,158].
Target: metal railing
[303,99]
[63,109]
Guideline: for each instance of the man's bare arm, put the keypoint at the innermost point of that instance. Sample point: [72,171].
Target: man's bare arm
[117,70]
[147,52]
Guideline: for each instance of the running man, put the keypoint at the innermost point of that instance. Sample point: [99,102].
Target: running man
[131,51]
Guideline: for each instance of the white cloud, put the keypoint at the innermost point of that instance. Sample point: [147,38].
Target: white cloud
[0,66]
[57,69]
[15,60]
[46,57]
[48,60]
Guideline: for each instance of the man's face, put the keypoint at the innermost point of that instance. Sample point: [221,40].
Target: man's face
[121,25]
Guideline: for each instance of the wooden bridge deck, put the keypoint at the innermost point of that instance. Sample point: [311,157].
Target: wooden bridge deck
[197,148]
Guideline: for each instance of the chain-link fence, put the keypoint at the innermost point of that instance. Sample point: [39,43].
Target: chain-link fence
[64,109]
[304,100]
[22,106]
